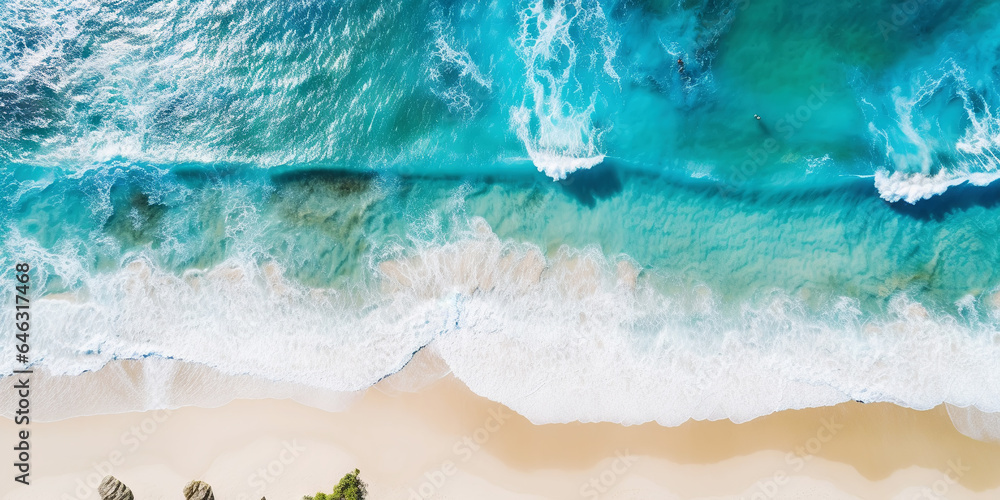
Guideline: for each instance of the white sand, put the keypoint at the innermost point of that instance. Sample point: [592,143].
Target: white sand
[407,443]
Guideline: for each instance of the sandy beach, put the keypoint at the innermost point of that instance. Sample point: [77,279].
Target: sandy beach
[500,250]
[420,435]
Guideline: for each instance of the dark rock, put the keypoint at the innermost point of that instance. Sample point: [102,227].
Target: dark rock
[113,489]
[197,490]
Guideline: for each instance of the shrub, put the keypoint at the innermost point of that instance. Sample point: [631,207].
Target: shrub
[350,487]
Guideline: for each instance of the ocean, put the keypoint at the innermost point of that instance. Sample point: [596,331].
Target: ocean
[574,203]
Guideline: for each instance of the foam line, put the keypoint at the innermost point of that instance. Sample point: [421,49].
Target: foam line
[572,336]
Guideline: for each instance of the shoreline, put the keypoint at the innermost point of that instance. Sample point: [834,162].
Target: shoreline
[423,432]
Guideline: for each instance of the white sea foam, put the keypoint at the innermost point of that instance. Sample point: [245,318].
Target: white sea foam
[915,172]
[554,122]
[449,58]
[558,166]
[913,187]
[49,26]
[575,335]
[238,317]
[976,424]
[600,369]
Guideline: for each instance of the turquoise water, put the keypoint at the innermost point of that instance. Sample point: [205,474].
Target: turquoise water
[581,226]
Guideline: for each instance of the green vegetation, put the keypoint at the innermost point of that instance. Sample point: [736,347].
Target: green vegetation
[350,487]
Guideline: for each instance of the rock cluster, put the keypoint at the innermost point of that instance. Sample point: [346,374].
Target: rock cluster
[113,489]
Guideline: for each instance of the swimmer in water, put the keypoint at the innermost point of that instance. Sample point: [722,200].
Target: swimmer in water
[756,116]
[680,65]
